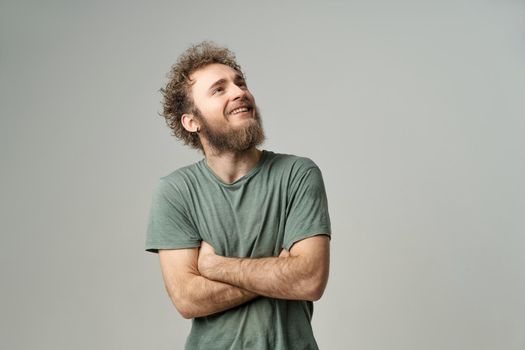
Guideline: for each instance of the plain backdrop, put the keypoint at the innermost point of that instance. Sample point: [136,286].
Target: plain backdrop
[414,111]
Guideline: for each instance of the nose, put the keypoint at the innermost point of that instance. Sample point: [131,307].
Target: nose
[237,92]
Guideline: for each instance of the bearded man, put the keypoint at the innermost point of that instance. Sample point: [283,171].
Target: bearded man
[243,234]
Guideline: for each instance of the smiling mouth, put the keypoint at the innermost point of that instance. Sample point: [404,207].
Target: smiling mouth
[240,110]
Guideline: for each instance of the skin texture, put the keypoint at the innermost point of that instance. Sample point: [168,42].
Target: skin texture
[200,282]
[192,294]
[300,274]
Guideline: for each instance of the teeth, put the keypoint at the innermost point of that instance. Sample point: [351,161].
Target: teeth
[239,110]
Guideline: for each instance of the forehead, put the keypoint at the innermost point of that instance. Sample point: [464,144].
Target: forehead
[205,77]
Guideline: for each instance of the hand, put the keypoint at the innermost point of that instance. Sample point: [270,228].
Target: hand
[284,253]
[206,257]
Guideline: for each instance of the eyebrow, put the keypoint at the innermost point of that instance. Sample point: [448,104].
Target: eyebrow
[218,82]
[238,77]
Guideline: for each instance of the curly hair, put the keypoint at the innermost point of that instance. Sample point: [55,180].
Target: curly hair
[177,93]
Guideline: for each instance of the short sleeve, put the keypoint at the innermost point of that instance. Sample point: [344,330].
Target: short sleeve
[169,226]
[307,212]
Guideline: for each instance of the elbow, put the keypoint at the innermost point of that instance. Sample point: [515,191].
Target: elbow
[316,286]
[183,309]
[315,296]
[183,306]
[186,314]
[315,293]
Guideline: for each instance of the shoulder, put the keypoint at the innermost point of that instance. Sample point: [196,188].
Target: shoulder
[183,173]
[293,170]
[180,180]
[290,164]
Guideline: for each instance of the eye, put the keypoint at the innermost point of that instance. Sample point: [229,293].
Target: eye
[218,89]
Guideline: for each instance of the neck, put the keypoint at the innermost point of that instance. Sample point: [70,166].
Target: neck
[231,166]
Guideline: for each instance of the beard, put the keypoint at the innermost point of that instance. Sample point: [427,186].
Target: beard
[232,139]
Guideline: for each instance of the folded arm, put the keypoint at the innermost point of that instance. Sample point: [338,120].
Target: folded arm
[301,273]
[192,294]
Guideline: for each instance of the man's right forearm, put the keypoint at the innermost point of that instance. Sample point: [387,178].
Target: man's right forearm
[199,296]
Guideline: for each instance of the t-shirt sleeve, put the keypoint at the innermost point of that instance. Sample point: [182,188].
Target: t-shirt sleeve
[307,212]
[169,226]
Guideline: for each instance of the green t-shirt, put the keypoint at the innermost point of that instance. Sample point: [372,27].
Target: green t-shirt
[279,202]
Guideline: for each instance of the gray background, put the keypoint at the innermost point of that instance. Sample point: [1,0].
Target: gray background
[414,110]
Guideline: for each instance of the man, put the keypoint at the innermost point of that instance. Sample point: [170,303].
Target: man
[243,235]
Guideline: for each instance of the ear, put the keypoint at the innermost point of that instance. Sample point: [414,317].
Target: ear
[189,122]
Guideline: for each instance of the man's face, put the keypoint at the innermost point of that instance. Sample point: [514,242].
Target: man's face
[225,109]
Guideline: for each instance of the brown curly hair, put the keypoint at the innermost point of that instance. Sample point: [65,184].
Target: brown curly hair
[177,93]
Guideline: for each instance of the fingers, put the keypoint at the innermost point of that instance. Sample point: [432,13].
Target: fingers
[206,248]
[284,253]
